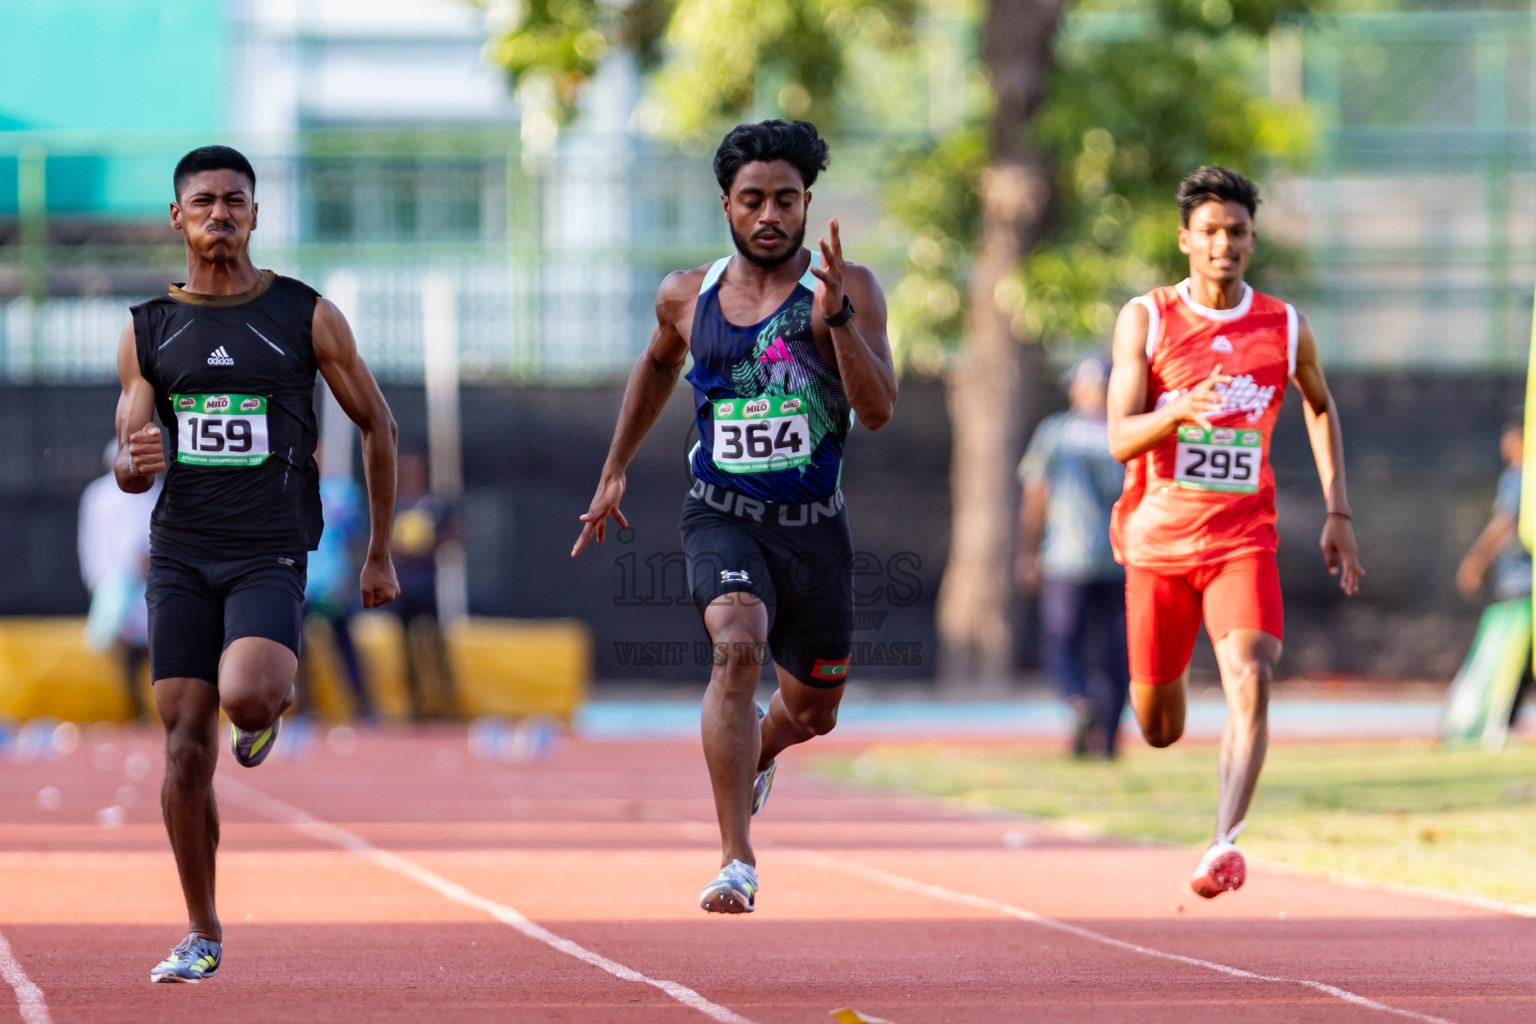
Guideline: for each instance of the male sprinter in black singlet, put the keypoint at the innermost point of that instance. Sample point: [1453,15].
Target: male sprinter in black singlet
[228,360]
[764,527]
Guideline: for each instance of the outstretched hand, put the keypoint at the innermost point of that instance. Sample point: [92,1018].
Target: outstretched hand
[1341,553]
[829,292]
[605,503]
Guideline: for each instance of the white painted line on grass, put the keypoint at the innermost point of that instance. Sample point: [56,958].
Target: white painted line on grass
[939,892]
[323,831]
[29,998]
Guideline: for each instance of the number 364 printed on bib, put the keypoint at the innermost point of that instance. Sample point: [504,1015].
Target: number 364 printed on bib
[761,435]
[221,430]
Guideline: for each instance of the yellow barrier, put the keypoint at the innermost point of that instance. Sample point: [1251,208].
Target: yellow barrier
[500,667]
[46,670]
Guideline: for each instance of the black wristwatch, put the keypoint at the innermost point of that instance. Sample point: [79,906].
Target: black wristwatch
[842,316]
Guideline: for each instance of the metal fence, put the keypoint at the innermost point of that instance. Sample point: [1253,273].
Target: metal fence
[1418,217]
[1417,220]
[554,262]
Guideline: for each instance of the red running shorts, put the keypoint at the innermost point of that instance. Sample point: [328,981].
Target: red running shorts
[1162,612]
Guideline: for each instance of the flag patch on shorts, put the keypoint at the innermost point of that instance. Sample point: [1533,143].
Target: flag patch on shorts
[830,669]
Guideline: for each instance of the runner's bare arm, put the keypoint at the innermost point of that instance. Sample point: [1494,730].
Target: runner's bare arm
[1322,415]
[861,348]
[651,383]
[358,395]
[1132,430]
[140,453]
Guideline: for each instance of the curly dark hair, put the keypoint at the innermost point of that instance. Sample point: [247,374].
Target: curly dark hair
[794,141]
[1219,185]
[211,158]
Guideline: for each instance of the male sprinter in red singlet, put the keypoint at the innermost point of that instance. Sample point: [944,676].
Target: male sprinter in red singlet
[1199,372]
[786,345]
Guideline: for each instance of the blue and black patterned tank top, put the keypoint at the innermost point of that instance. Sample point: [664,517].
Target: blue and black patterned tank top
[771,413]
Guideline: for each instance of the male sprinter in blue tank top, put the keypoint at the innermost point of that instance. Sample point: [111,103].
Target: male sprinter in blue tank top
[788,345]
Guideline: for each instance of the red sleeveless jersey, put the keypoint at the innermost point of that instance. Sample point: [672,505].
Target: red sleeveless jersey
[1202,497]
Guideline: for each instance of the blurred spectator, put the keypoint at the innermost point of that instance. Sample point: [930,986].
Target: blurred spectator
[1498,547]
[1498,556]
[331,592]
[423,523]
[1071,483]
[113,542]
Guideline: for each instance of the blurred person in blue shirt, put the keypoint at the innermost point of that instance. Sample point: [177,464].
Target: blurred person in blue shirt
[1071,483]
[330,591]
[1497,554]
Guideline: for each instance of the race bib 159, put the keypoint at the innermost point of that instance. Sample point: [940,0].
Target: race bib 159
[221,430]
[761,435]
[1223,459]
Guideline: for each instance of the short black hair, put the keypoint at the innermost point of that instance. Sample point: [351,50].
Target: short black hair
[794,141]
[211,158]
[1213,184]
[1514,419]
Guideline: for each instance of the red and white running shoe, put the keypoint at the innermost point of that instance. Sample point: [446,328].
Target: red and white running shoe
[1222,869]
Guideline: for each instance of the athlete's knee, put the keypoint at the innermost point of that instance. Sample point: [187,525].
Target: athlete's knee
[252,708]
[190,755]
[813,720]
[1162,734]
[1248,688]
[740,649]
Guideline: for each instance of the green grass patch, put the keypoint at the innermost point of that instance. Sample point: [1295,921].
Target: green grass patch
[1459,821]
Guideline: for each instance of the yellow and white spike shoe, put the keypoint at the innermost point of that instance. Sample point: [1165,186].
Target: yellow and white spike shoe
[734,890]
[194,959]
[252,748]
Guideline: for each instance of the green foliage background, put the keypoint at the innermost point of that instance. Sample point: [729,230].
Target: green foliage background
[1143,91]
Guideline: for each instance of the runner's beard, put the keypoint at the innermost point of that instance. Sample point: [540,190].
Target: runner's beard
[768,262]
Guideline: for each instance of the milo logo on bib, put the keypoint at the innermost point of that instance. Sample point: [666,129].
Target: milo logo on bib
[221,430]
[762,435]
[1221,459]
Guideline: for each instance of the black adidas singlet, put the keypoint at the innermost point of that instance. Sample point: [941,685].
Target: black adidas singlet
[234,380]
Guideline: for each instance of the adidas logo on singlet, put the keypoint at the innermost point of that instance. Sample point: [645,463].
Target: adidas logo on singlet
[1221,344]
[219,357]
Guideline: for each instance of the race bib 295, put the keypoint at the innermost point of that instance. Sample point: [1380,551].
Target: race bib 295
[1223,459]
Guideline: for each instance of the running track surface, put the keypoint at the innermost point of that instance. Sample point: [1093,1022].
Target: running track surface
[404,880]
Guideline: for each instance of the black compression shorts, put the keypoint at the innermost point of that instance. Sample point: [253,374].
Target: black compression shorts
[197,608]
[797,559]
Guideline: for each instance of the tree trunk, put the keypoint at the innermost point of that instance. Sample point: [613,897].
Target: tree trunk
[987,385]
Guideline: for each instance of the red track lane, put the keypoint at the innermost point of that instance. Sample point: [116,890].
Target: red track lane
[868,901]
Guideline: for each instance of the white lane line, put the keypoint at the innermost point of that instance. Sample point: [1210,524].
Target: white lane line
[938,892]
[29,998]
[324,831]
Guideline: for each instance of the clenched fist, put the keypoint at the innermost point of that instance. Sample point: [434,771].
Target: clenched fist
[146,453]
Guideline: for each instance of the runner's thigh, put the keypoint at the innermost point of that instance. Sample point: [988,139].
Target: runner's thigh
[1162,619]
[186,619]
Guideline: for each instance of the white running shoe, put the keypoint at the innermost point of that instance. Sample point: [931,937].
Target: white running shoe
[1223,868]
[734,890]
[763,782]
